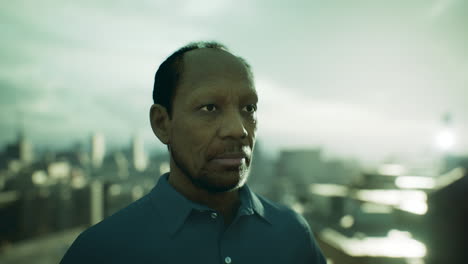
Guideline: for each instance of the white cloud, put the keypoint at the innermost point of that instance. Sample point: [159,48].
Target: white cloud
[287,119]
[206,8]
[439,7]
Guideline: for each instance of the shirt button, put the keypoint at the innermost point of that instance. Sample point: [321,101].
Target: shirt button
[227,260]
[214,215]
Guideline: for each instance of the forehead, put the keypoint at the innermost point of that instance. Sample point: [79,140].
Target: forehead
[208,62]
[212,71]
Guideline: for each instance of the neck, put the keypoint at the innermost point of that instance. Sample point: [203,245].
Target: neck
[226,203]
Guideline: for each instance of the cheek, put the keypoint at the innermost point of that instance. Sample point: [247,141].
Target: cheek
[192,143]
[252,130]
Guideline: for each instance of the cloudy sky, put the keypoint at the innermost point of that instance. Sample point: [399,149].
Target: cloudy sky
[367,79]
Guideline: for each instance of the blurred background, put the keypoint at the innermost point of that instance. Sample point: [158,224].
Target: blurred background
[363,117]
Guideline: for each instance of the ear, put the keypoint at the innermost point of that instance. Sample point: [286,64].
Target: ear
[160,122]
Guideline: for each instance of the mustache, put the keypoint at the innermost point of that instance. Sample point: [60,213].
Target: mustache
[233,150]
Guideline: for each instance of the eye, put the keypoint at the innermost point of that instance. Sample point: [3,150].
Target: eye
[250,108]
[209,108]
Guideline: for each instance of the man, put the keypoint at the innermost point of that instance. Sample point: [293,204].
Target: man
[204,110]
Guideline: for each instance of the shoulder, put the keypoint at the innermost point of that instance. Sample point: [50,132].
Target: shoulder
[119,231]
[280,214]
[300,236]
[125,221]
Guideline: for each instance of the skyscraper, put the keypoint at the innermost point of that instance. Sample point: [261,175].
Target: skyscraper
[139,158]
[98,150]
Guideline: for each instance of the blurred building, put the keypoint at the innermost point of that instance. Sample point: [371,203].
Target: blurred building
[295,170]
[139,158]
[98,150]
[72,188]
[261,172]
[404,219]
[17,154]
[21,150]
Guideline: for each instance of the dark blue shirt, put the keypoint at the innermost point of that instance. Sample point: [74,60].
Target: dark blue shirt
[165,227]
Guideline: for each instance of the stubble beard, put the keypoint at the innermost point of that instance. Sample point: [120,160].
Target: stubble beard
[202,181]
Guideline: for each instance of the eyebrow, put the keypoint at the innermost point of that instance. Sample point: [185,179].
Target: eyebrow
[256,96]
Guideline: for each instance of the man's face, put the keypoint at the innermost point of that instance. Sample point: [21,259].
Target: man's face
[214,120]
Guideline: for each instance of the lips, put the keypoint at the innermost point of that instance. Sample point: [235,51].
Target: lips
[230,159]
[232,155]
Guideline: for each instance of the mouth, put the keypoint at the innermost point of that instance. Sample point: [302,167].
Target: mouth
[230,159]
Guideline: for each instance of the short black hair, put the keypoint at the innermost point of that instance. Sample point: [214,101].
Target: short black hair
[169,72]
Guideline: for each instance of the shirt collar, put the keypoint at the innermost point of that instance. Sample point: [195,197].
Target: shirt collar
[250,201]
[171,205]
[174,208]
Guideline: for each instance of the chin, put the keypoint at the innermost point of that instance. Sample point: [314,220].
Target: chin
[225,181]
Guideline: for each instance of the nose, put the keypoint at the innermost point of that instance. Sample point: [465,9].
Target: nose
[232,126]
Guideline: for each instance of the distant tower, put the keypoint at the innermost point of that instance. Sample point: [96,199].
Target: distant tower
[22,149]
[98,150]
[25,149]
[140,160]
